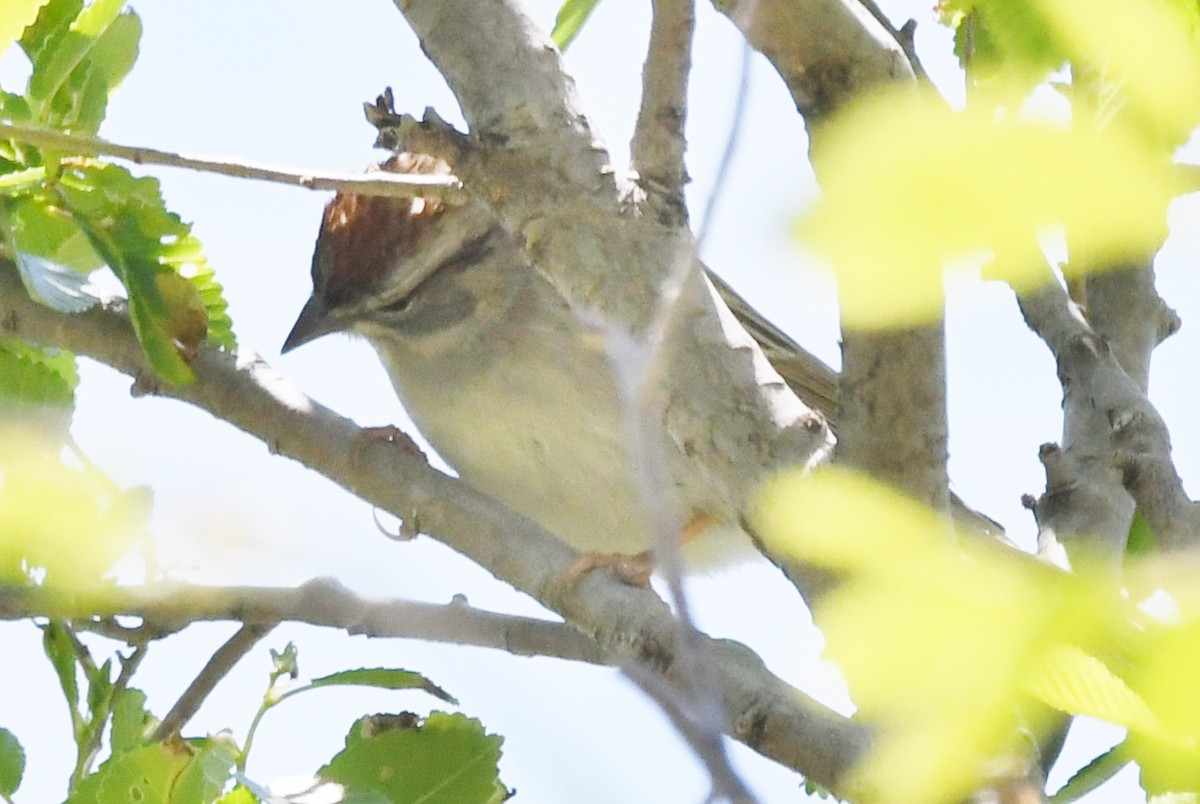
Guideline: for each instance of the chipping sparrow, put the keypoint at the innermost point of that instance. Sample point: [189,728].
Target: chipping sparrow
[505,381]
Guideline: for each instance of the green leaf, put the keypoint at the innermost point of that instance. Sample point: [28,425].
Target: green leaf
[99,693]
[15,16]
[37,375]
[1071,681]
[210,769]
[163,773]
[36,225]
[939,187]
[239,795]
[1092,775]
[79,56]
[445,759]
[12,762]
[383,678]
[59,649]
[1141,542]
[174,303]
[131,721]
[63,522]
[569,22]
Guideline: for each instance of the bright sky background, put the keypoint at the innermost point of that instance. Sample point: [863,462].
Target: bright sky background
[283,82]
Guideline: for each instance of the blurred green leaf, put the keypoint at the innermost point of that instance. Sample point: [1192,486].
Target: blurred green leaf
[66,524]
[1072,681]
[934,636]
[12,762]
[570,19]
[383,678]
[940,186]
[442,759]
[15,16]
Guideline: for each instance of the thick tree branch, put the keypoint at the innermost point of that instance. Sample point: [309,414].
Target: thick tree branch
[892,409]
[1112,438]
[767,714]
[1124,308]
[826,51]
[658,138]
[394,185]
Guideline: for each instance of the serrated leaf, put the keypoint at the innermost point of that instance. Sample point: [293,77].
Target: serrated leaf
[383,678]
[15,16]
[35,375]
[129,225]
[12,762]
[447,758]
[1092,775]
[1071,681]
[570,19]
[131,721]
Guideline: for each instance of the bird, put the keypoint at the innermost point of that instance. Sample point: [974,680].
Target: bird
[502,377]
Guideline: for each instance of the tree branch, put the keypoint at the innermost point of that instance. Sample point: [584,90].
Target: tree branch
[657,150]
[827,52]
[394,185]
[217,667]
[1112,438]
[168,608]
[767,714]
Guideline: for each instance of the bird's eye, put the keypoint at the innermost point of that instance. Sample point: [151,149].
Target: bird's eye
[400,305]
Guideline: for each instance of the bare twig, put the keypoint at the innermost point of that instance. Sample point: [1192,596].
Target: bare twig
[444,188]
[168,608]
[217,667]
[658,138]
[677,705]
[731,143]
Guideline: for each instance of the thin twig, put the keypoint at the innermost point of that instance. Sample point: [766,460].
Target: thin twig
[731,143]
[217,667]
[442,187]
[658,138]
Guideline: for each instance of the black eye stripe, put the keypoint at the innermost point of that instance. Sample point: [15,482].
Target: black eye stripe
[470,254]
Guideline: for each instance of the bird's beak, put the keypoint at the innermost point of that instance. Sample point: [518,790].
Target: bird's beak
[312,324]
